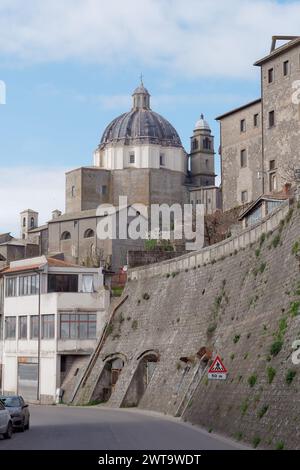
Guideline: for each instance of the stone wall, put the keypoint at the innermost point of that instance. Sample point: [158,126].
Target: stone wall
[137,258]
[241,305]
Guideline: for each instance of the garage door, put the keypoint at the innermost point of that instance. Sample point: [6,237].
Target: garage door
[28,381]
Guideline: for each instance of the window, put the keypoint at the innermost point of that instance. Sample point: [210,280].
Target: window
[32,222]
[34,326]
[243,125]
[131,158]
[243,158]
[271,119]
[23,327]
[285,68]
[89,233]
[272,165]
[255,120]
[47,326]
[270,75]
[10,327]
[206,143]
[162,160]
[244,196]
[87,283]
[65,236]
[78,326]
[194,144]
[73,191]
[103,190]
[273,182]
[11,287]
[29,285]
[24,222]
[62,283]
[206,163]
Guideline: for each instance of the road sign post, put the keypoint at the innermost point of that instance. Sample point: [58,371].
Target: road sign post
[217,370]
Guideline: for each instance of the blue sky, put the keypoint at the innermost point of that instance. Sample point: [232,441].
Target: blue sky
[70,67]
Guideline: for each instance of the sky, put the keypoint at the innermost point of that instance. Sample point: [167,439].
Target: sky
[70,66]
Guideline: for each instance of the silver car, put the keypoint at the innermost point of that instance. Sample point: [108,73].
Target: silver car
[6,427]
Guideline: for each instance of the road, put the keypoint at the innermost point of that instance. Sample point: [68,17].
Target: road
[97,428]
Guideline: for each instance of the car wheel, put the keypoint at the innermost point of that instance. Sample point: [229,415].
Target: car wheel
[9,431]
[27,425]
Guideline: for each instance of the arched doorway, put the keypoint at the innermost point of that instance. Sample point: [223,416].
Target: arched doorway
[144,372]
[109,376]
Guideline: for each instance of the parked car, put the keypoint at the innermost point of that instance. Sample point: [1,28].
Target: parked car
[18,410]
[6,427]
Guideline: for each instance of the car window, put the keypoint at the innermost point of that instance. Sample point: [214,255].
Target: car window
[10,402]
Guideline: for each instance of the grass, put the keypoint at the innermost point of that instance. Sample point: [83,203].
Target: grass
[276,347]
[236,339]
[263,411]
[276,240]
[244,407]
[256,441]
[271,372]
[291,373]
[252,380]
[279,445]
[294,308]
[117,291]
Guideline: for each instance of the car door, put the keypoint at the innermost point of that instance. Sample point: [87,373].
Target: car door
[24,407]
[3,418]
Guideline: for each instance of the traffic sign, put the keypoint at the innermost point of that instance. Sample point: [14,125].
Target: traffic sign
[217,370]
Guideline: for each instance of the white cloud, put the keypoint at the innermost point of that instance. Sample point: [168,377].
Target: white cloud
[40,189]
[192,37]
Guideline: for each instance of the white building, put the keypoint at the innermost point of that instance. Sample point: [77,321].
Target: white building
[53,312]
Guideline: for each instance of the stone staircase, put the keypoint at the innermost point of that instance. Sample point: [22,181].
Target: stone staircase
[85,386]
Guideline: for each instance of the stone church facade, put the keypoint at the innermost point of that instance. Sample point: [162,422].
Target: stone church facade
[140,156]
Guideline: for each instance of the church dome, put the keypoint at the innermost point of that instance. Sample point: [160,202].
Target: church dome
[141,125]
[201,124]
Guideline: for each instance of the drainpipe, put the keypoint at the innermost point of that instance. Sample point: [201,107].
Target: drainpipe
[39,338]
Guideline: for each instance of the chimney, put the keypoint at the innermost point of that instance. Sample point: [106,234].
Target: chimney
[56,214]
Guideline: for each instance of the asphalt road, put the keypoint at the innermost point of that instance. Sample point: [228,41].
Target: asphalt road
[96,428]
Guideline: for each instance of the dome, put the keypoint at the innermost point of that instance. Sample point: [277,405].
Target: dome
[201,124]
[141,125]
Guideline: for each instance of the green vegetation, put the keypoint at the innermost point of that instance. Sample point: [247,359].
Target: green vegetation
[262,239]
[252,380]
[291,373]
[244,406]
[263,411]
[262,267]
[150,245]
[134,324]
[276,240]
[211,328]
[294,308]
[238,436]
[146,296]
[236,339]
[289,215]
[256,441]
[271,372]
[110,329]
[279,445]
[257,252]
[296,248]
[117,291]
[276,347]
[232,356]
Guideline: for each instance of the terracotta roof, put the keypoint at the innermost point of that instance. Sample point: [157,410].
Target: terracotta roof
[59,263]
[17,269]
[52,262]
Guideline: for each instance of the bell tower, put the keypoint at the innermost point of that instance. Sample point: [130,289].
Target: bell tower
[29,220]
[202,154]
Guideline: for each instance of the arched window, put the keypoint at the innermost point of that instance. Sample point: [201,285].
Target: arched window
[65,236]
[89,233]
[32,222]
[194,144]
[24,222]
[206,143]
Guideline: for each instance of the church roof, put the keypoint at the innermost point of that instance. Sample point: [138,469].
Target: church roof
[141,125]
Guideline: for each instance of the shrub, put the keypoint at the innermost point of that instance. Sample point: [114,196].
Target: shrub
[271,372]
[262,239]
[244,407]
[294,308]
[279,445]
[252,380]
[134,324]
[238,436]
[276,347]
[257,252]
[263,411]
[296,248]
[275,241]
[236,338]
[146,296]
[290,376]
[232,356]
[110,329]
[211,328]
[262,267]
[256,441]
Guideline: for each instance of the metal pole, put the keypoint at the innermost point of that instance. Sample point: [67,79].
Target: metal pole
[39,339]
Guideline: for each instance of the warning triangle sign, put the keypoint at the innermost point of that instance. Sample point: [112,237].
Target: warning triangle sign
[217,366]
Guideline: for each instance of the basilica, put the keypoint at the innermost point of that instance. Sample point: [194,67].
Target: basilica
[141,156]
